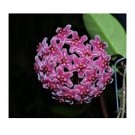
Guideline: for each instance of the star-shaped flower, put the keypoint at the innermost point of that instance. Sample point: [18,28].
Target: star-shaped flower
[42,49]
[48,83]
[105,79]
[48,67]
[63,33]
[84,93]
[80,65]
[88,52]
[95,92]
[90,76]
[103,63]
[67,94]
[63,78]
[76,42]
[98,45]
[53,48]
[64,59]
[37,64]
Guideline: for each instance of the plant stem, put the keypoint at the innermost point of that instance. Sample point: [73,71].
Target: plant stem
[124,95]
[123,99]
[103,107]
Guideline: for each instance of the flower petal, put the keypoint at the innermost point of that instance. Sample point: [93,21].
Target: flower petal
[76,60]
[97,38]
[81,74]
[44,42]
[69,83]
[68,27]
[68,74]
[84,38]
[59,70]
[75,34]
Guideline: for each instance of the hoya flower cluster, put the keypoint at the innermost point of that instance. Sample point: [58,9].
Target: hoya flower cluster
[73,68]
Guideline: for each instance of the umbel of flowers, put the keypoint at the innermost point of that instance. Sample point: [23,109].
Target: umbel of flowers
[73,68]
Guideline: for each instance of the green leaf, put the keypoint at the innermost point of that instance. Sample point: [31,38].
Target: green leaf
[110,31]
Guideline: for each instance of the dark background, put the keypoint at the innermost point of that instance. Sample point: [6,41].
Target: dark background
[27,98]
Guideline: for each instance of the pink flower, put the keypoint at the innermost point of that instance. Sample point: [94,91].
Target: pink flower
[42,45]
[66,94]
[48,67]
[103,62]
[91,76]
[96,92]
[63,33]
[87,52]
[63,78]
[105,79]
[37,64]
[80,65]
[48,83]
[66,60]
[53,48]
[76,42]
[83,95]
[98,45]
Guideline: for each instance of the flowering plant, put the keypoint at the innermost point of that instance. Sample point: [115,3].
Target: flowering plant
[69,54]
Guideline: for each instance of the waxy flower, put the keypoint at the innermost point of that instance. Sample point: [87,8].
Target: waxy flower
[98,45]
[64,59]
[63,33]
[63,78]
[80,65]
[74,69]
[76,42]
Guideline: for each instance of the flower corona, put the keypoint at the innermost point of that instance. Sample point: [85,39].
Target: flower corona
[73,68]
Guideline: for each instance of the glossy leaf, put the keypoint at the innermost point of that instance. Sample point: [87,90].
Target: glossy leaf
[110,31]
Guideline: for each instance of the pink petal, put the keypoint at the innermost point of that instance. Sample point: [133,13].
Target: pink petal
[69,83]
[78,97]
[92,42]
[81,74]
[107,57]
[84,38]
[75,34]
[68,27]
[59,70]
[64,51]
[85,80]
[97,38]
[88,46]
[84,61]
[68,74]
[76,60]
[58,29]
[105,44]
[79,87]
[80,46]
[46,50]
[44,42]
[72,48]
